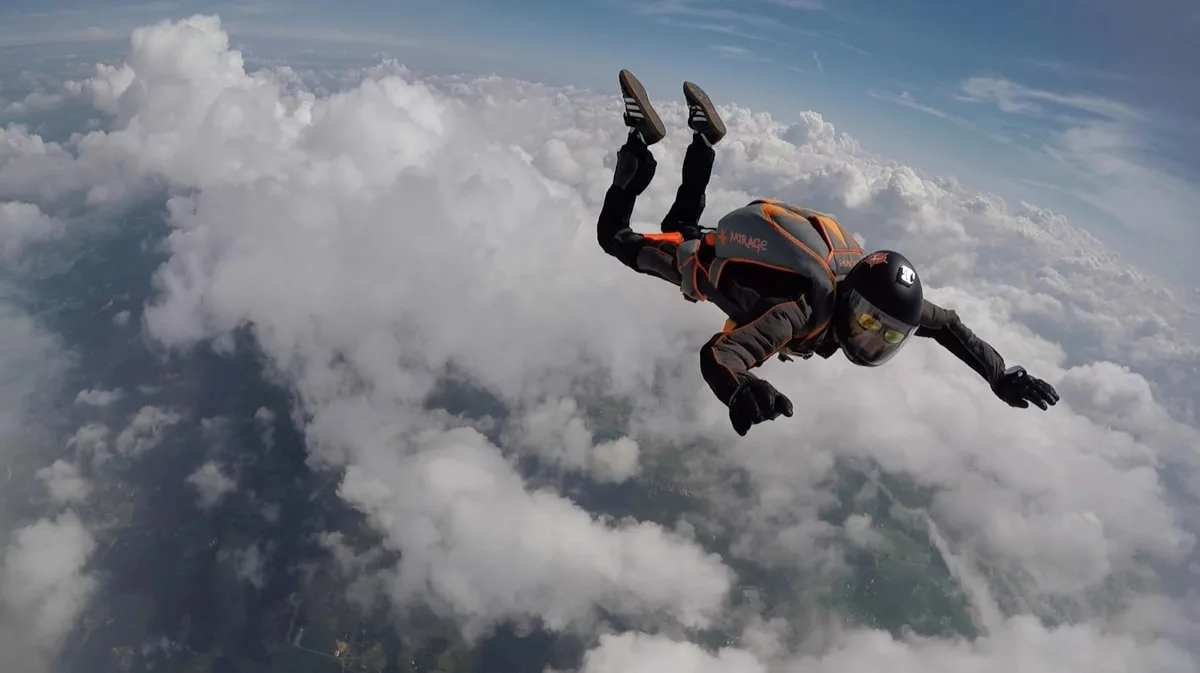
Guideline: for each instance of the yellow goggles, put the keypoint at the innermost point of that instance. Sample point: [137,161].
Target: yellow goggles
[873,324]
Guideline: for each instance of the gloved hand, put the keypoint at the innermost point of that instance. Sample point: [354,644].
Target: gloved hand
[754,402]
[1018,389]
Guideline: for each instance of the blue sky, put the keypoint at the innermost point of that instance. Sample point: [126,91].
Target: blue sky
[1088,107]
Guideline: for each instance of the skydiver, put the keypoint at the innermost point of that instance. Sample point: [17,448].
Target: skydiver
[790,280]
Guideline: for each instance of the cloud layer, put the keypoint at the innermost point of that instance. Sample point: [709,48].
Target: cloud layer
[375,237]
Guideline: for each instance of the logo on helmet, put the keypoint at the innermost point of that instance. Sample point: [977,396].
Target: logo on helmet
[876,258]
[906,276]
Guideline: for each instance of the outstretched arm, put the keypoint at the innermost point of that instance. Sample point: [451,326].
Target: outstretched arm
[945,327]
[1013,385]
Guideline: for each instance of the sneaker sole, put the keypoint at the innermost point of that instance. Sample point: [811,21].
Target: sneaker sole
[651,125]
[696,96]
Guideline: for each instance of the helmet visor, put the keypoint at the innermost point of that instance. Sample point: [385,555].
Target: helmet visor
[873,336]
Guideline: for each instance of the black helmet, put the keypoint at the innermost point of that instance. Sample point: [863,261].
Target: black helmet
[879,305]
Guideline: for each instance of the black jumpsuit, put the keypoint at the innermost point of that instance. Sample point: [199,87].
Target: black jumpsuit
[777,309]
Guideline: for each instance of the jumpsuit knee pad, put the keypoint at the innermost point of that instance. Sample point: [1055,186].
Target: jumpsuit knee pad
[635,168]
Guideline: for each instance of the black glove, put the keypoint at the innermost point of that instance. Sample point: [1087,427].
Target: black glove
[754,402]
[1018,389]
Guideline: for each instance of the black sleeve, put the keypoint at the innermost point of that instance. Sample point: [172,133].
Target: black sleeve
[945,327]
[642,254]
[726,359]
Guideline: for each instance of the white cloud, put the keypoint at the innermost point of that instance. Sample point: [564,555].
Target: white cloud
[1012,97]
[145,430]
[22,224]
[1108,154]
[1019,644]
[906,99]
[859,531]
[739,53]
[248,563]
[717,17]
[90,440]
[33,103]
[18,35]
[43,584]
[43,587]
[643,653]
[64,482]
[376,236]
[482,548]
[798,4]
[211,484]
[43,93]
[98,398]
[557,431]
[31,360]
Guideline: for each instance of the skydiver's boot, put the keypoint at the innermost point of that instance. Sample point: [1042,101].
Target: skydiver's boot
[632,174]
[635,163]
[702,116]
[640,115]
[707,130]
